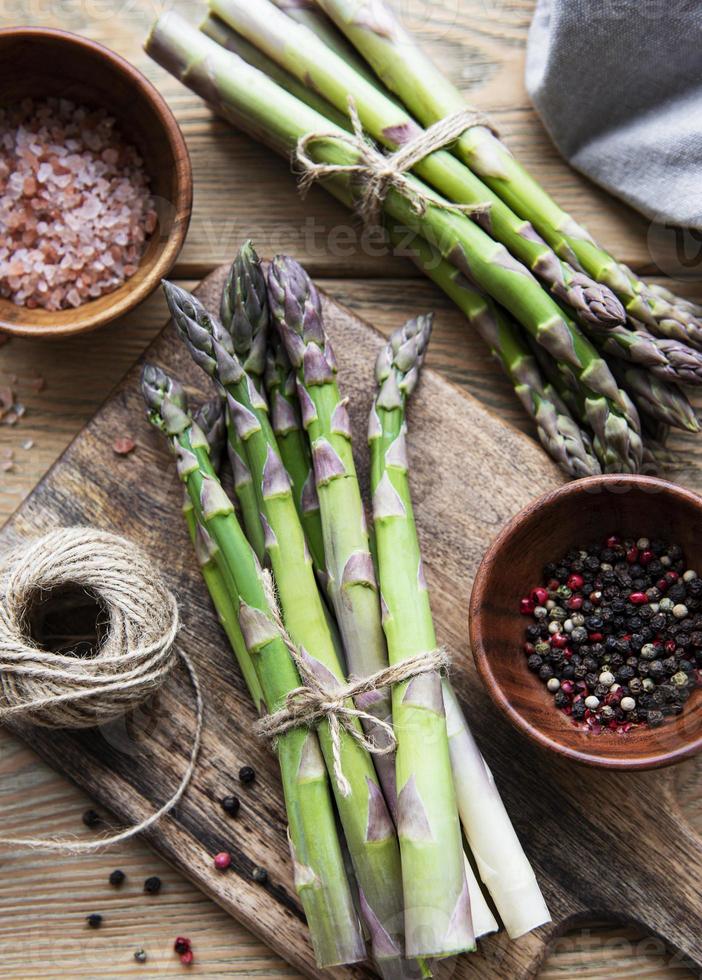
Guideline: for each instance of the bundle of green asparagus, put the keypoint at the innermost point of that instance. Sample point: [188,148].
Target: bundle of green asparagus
[401,786]
[481,227]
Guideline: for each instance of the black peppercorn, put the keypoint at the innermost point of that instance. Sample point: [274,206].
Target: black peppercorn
[561,699]
[655,718]
[260,875]
[152,885]
[546,672]
[117,877]
[94,920]
[91,818]
[247,774]
[230,804]
[534,662]
[579,710]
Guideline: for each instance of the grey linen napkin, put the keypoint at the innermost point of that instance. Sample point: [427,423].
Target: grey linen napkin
[618,85]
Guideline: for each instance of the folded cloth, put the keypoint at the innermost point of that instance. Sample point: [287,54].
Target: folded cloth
[618,85]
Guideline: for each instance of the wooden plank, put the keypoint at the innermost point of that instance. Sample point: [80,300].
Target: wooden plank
[457,515]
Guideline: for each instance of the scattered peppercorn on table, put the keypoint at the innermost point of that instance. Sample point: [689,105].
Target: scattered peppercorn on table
[46,901]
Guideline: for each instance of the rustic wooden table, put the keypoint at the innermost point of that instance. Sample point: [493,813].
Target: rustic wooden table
[241,191]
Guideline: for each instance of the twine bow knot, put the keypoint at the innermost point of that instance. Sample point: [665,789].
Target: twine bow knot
[314,701]
[378,172]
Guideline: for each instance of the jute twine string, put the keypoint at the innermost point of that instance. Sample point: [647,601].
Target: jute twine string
[53,690]
[378,172]
[313,702]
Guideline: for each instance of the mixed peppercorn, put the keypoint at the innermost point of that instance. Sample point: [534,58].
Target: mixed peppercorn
[617,633]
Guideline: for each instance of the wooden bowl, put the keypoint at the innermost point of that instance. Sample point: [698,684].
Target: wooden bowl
[38,62]
[582,512]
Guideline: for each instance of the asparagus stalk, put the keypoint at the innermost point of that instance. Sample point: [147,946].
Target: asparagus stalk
[222,33]
[568,445]
[222,590]
[206,552]
[320,878]
[253,102]
[303,54]
[307,12]
[428,823]
[659,399]
[351,584]
[367,824]
[502,864]
[377,34]
[294,447]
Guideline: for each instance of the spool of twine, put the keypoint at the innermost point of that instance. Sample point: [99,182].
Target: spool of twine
[131,663]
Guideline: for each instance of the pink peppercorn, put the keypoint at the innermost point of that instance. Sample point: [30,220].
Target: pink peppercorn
[575,602]
[575,582]
[222,860]
[613,541]
[632,555]
[559,641]
[187,957]
[526,606]
[539,596]
[646,557]
[638,598]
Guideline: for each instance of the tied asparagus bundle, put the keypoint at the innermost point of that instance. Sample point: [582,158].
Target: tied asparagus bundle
[283,71]
[414,824]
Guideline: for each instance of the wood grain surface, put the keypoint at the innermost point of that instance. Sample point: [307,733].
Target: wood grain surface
[241,190]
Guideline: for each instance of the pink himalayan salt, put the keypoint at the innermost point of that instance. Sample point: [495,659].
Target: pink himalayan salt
[75,207]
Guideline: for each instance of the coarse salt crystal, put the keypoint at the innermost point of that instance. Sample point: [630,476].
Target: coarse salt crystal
[74,202]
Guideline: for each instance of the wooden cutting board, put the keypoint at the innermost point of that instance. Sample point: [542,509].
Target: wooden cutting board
[601,843]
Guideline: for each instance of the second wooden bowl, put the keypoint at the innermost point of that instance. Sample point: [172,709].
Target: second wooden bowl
[582,512]
[39,62]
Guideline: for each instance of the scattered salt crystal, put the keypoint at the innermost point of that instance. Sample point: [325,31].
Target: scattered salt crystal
[123,446]
[75,208]
[28,444]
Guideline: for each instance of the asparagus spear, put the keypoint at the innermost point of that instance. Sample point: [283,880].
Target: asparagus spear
[351,585]
[615,440]
[294,447]
[367,824]
[377,34]
[660,399]
[501,862]
[210,418]
[253,102]
[562,439]
[302,53]
[244,312]
[320,878]
[428,822]
[670,360]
